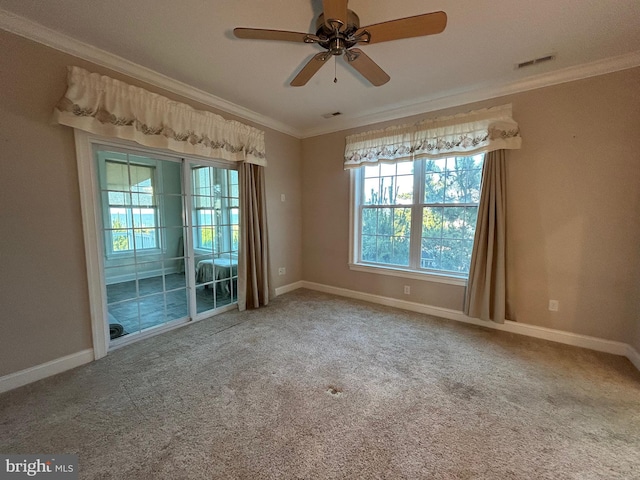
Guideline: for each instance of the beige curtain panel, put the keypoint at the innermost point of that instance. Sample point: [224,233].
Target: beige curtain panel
[253,278]
[464,134]
[486,290]
[105,106]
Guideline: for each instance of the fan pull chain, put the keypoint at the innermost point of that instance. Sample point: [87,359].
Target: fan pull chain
[335,69]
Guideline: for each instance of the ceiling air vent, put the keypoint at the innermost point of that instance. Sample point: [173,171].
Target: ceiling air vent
[331,115]
[536,61]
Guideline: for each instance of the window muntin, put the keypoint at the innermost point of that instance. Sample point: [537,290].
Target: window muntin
[132,209]
[419,215]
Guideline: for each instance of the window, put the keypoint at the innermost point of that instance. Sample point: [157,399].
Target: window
[418,216]
[132,211]
[216,209]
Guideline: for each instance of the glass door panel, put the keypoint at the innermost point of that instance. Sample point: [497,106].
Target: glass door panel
[143,231]
[215,228]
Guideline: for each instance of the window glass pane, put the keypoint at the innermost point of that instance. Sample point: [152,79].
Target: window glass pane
[434,188]
[400,251]
[371,191]
[141,199]
[405,168]
[453,222]
[402,222]
[432,222]
[385,221]
[451,256]
[120,240]
[144,217]
[454,187]
[470,219]
[387,191]
[202,201]
[144,238]
[430,254]
[117,176]
[208,238]
[404,190]
[120,217]
[119,198]
[466,247]
[474,178]
[235,237]
[435,165]
[372,171]
[387,169]
[453,164]
[385,249]
[369,221]
[369,253]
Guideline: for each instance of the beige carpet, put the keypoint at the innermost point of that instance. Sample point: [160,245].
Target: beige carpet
[321,387]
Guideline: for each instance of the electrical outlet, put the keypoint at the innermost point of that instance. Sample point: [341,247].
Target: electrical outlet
[554,305]
[283,197]
[407,290]
[282,271]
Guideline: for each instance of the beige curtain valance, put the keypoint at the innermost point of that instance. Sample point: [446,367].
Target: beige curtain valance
[463,134]
[105,106]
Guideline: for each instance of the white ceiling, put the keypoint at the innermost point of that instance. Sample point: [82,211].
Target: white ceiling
[191,41]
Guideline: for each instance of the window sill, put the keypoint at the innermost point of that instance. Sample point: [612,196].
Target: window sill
[412,274]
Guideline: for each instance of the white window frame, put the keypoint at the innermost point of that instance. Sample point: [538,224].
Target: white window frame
[158,207]
[414,270]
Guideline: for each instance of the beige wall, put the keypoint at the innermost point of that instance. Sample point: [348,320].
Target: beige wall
[573,210]
[635,340]
[43,283]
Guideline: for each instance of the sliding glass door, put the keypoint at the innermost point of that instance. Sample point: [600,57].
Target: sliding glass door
[170,229]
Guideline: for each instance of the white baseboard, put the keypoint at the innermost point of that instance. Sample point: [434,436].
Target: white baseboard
[23,377]
[59,365]
[560,336]
[633,356]
[288,288]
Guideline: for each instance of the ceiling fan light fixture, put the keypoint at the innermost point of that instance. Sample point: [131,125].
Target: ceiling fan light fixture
[338,31]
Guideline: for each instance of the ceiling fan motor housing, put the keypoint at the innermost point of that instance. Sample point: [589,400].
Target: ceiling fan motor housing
[336,41]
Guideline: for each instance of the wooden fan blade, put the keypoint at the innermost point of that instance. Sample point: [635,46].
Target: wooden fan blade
[310,69]
[367,67]
[427,24]
[335,10]
[263,34]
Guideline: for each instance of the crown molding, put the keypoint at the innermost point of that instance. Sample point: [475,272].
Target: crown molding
[39,33]
[430,104]
[59,41]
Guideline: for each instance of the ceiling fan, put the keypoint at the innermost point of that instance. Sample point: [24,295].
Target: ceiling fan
[338,31]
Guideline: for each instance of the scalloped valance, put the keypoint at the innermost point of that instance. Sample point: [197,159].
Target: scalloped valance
[105,106]
[458,135]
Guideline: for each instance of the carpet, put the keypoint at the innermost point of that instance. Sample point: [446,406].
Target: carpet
[321,387]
